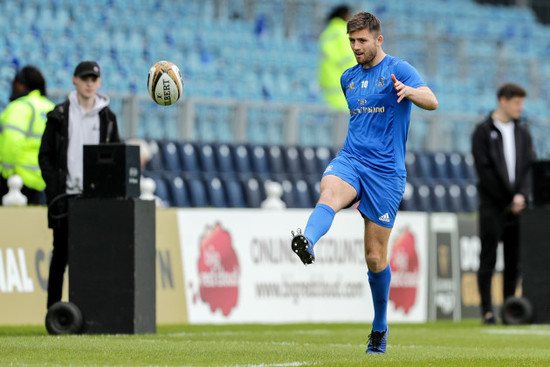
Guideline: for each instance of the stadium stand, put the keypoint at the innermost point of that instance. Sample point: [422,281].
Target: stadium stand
[233,175]
[250,70]
[268,58]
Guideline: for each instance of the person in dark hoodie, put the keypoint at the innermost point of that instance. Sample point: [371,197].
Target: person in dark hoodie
[503,153]
[83,118]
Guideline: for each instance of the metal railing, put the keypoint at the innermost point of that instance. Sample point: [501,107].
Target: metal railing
[225,120]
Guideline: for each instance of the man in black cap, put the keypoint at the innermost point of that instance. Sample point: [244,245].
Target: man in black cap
[84,118]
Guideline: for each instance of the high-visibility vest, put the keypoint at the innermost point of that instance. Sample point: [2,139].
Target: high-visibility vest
[336,57]
[22,124]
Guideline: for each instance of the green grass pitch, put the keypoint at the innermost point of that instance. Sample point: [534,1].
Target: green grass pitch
[466,343]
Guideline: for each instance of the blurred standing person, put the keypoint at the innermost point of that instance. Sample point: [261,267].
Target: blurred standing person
[503,153]
[370,169]
[84,118]
[145,154]
[336,57]
[21,126]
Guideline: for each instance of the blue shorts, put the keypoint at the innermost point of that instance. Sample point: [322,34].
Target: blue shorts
[379,195]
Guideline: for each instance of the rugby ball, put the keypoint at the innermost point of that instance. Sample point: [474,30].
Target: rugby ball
[165,83]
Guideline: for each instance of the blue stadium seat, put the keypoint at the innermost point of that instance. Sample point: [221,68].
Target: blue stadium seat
[259,160]
[178,191]
[440,198]
[323,156]
[224,159]
[155,163]
[161,189]
[408,202]
[456,200]
[440,166]
[410,164]
[470,196]
[170,156]
[292,164]
[234,192]
[424,165]
[207,159]
[309,162]
[216,192]
[189,158]
[241,158]
[197,192]
[288,193]
[456,166]
[254,192]
[314,182]
[469,168]
[302,194]
[296,194]
[276,161]
[423,197]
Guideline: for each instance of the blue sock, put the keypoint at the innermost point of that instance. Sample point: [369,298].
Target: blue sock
[380,289]
[318,223]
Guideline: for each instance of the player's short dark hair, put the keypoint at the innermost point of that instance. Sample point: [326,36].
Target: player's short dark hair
[31,78]
[364,20]
[511,90]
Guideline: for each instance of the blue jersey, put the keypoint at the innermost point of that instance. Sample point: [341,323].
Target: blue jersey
[378,125]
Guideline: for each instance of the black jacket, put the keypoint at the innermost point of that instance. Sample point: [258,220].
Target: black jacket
[52,156]
[495,190]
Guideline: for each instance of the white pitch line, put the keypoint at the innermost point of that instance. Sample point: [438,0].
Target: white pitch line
[246,332]
[289,364]
[518,332]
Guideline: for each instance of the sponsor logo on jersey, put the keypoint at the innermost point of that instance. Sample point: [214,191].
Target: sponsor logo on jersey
[359,110]
[380,82]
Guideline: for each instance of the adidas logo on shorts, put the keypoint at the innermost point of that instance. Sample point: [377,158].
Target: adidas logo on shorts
[384,218]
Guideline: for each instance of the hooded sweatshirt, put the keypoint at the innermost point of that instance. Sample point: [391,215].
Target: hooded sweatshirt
[83,130]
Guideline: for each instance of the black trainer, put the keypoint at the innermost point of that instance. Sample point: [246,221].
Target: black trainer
[302,247]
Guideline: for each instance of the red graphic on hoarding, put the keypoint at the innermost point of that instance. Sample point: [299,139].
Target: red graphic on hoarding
[404,266]
[218,270]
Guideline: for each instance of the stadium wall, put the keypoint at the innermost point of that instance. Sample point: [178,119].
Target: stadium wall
[25,251]
[234,266]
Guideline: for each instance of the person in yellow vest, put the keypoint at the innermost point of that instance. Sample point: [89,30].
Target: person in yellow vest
[336,57]
[21,126]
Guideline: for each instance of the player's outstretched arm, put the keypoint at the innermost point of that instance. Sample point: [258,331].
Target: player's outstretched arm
[423,97]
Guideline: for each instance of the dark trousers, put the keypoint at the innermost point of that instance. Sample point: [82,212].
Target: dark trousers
[495,226]
[33,197]
[59,261]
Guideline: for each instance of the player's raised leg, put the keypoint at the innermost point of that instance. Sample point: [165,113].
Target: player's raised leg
[376,250]
[335,195]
